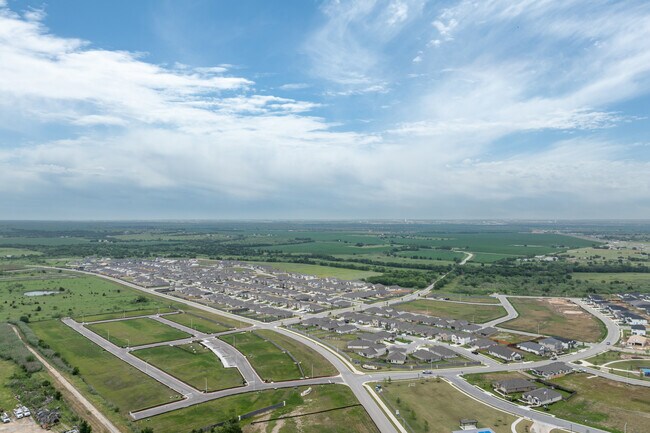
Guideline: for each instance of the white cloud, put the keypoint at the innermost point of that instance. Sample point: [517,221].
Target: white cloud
[295,86]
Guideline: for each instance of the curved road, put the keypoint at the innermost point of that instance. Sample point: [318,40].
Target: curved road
[356,380]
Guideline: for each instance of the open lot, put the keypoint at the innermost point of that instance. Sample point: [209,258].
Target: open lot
[436,406]
[17,252]
[202,323]
[453,310]
[320,271]
[321,397]
[557,317]
[270,362]
[119,385]
[136,332]
[604,403]
[605,357]
[7,369]
[194,364]
[462,297]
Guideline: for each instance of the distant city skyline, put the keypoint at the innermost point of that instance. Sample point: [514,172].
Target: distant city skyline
[396,109]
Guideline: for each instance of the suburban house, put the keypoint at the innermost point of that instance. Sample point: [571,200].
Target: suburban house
[510,386]
[443,352]
[505,353]
[638,330]
[425,355]
[531,347]
[358,344]
[483,343]
[396,357]
[552,344]
[637,341]
[345,329]
[552,370]
[541,396]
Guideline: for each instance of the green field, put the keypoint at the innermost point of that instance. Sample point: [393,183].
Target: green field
[436,406]
[445,255]
[462,297]
[194,364]
[271,363]
[605,404]
[605,357]
[125,314]
[453,310]
[202,323]
[120,385]
[557,317]
[319,271]
[322,397]
[620,280]
[136,332]
[17,252]
[7,399]
[76,296]
[597,256]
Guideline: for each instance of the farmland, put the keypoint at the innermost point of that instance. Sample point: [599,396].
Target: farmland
[470,312]
[119,385]
[435,405]
[322,397]
[555,317]
[194,364]
[136,332]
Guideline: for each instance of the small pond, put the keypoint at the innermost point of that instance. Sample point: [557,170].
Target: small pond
[40,293]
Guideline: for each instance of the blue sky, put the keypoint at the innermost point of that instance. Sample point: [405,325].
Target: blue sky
[324,109]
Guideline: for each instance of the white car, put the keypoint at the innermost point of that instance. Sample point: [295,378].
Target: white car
[5,418]
[26,411]
[18,412]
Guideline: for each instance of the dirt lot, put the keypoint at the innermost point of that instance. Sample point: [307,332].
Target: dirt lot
[25,425]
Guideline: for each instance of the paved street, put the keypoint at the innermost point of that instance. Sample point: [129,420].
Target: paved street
[355,379]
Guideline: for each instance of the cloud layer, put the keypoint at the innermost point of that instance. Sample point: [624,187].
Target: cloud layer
[512,109]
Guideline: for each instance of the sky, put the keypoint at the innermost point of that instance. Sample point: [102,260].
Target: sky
[301,109]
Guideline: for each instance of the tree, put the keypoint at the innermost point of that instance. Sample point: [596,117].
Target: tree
[231,426]
[84,427]
[147,430]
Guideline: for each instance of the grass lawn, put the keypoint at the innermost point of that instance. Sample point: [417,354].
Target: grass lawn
[271,363]
[604,403]
[18,252]
[322,397]
[452,310]
[320,271]
[193,364]
[509,338]
[557,317]
[485,380]
[124,314]
[305,355]
[631,364]
[202,323]
[7,400]
[136,332]
[440,406]
[605,357]
[462,297]
[117,382]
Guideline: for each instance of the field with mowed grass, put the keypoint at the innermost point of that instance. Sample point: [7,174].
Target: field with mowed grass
[309,359]
[334,399]
[136,332]
[556,317]
[120,385]
[194,364]
[604,403]
[319,271]
[453,310]
[270,362]
[202,323]
[436,406]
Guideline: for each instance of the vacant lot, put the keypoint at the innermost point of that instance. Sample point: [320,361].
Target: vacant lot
[320,271]
[462,297]
[121,385]
[270,362]
[322,397]
[7,369]
[555,316]
[194,364]
[309,359]
[454,310]
[433,406]
[604,403]
[607,357]
[136,332]
[17,252]
[200,323]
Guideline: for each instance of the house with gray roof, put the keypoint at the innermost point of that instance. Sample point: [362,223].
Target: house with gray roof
[531,347]
[505,353]
[541,396]
[552,370]
[509,386]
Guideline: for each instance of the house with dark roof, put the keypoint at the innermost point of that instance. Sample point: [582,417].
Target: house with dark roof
[509,386]
[552,370]
[505,353]
[531,347]
[396,357]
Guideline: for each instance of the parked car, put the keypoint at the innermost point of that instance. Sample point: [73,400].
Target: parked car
[18,412]
[5,418]
[26,411]
[427,372]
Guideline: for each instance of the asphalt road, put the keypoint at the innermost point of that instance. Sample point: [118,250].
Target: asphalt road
[356,380]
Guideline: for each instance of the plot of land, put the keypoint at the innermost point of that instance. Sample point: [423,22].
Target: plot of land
[557,317]
[199,323]
[432,406]
[604,403]
[462,297]
[116,381]
[454,310]
[328,398]
[194,364]
[606,357]
[136,332]
[7,369]
[320,271]
[17,252]
[270,362]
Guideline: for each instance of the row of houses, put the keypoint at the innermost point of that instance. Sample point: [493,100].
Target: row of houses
[623,314]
